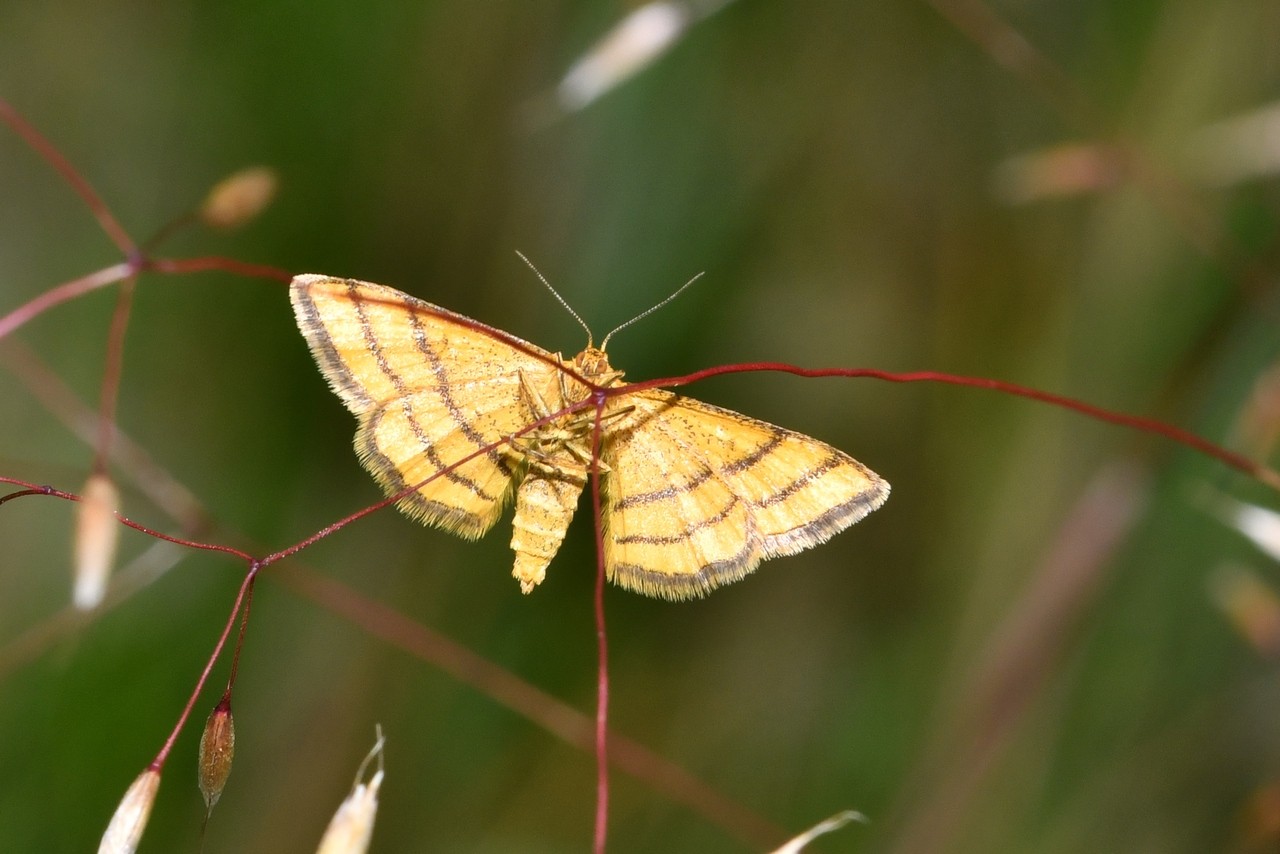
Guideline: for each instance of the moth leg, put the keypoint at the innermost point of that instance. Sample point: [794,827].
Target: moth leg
[541,459]
[581,452]
[564,385]
[533,397]
[531,443]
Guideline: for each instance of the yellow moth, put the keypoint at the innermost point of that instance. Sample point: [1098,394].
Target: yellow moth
[694,496]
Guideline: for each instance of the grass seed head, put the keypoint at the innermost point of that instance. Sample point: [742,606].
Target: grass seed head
[130,818]
[97,533]
[239,198]
[217,749]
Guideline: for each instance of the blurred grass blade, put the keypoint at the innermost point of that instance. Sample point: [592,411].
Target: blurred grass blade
[1237,149]
[624,51]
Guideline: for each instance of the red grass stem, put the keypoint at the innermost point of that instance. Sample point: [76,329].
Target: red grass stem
[543,710]
[243,597]
[22,493]
[111,373]
[334,527]
[118,272]
[37,489]
[244,625]
[64,292]
[214,262]
[63,167]
[1134,422]
[602,681]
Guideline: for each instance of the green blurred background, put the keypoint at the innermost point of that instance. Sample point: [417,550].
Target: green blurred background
[980,666]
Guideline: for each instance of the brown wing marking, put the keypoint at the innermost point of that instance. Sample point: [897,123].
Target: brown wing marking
[428,391]
[699,495]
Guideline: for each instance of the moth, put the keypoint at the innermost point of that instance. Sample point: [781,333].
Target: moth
[694,496]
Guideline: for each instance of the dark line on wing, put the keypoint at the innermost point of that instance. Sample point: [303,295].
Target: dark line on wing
[332,365]
[445,390]
[736,467]
[371,340]
[666,492]
[415,503]
[741,465]
[833,460]
[428,447]
[687,533]
[829,524]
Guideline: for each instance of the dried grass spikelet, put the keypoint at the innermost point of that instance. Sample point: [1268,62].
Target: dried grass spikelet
[97,533]
[837,821]
[130,819]
[351,827]
[217,749]
[239,198]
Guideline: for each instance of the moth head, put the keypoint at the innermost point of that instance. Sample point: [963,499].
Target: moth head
[592,363]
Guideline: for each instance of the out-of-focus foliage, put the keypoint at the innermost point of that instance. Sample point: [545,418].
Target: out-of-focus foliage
[983,665]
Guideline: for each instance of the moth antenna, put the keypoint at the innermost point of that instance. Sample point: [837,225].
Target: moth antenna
[559,298]
[642,315]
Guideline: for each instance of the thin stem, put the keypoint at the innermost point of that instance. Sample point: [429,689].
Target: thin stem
[215,262]
[1007,47]
[565,367]
[111,372]
[64,292]
[244,625]
[44,384]
[333,527]
[1254,469]
[46,149]
[246,590]
[543,710]
[989,705]
[602,644]
[36,640]
[169,229]
[37,489]
[23,493]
